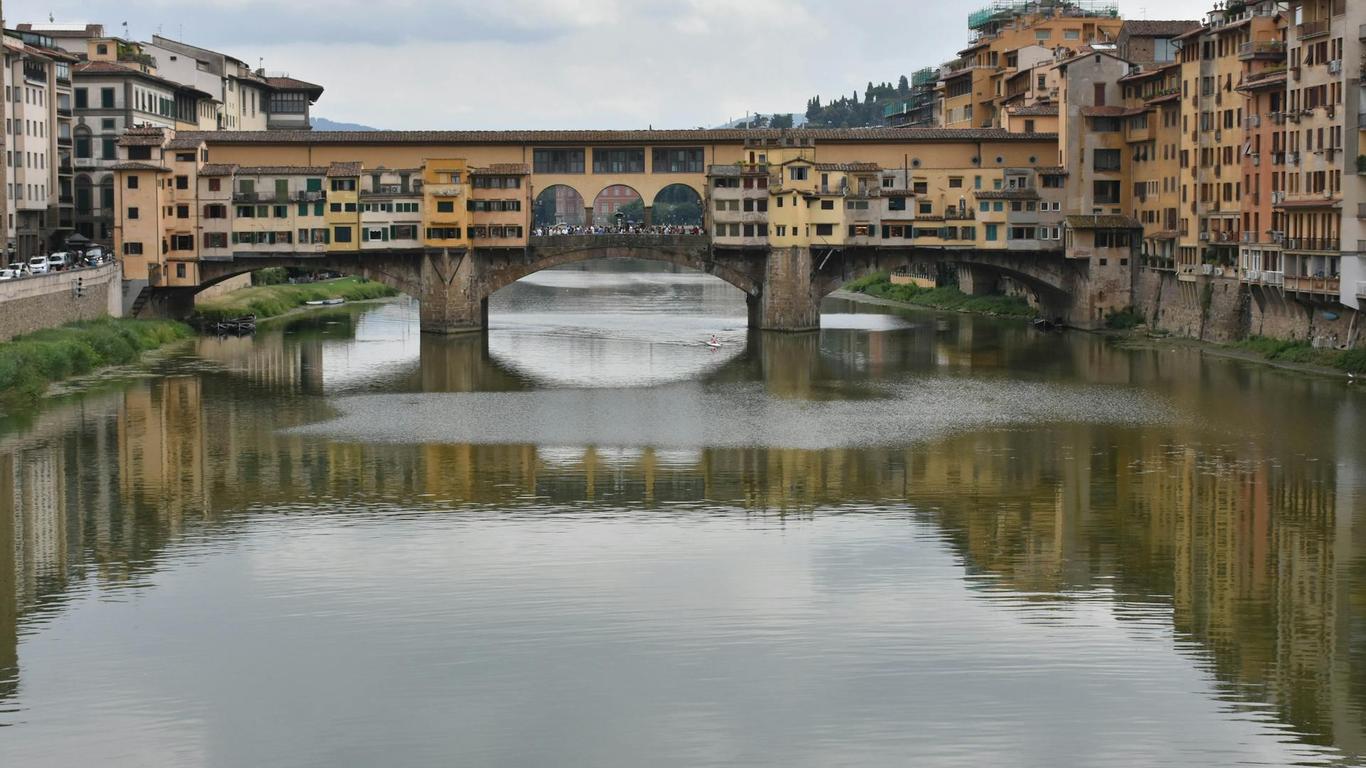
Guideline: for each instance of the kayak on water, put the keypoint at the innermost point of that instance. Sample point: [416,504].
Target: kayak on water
[324,302]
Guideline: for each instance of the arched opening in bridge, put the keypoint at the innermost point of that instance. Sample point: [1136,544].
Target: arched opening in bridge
[618,206]
[558,205]
[677,205]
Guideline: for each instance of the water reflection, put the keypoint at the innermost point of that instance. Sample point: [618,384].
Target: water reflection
[1233,536]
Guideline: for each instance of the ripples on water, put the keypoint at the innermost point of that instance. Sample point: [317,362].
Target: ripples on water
[917,539]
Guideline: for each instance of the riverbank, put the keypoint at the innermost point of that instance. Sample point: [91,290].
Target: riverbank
[1290,355]
[29,363]
[879,285]
[266,301]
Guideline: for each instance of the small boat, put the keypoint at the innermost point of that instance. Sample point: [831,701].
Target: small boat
[1046,325]
[324,302]
[713,344]
[236,326]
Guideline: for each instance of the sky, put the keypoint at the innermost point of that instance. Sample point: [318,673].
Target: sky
[454,64]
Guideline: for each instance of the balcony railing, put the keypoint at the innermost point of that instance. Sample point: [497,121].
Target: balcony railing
[1313,244]
[1313,284]
[1313,29]
[960,214]
[1261,49]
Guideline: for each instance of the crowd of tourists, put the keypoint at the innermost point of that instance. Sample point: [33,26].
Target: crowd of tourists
[625,229]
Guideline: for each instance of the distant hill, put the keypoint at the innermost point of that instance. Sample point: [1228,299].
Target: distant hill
[797,120]
[323,124]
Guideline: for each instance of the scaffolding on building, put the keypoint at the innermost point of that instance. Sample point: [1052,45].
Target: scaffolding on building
[1004,10]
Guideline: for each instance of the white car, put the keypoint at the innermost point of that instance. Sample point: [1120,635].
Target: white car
[95,256]
[38,265]
[8,274]
[58,261]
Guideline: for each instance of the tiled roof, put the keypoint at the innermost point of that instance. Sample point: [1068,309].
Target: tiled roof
[503,169]
[183,143]
[848,167]
[288,170]
[131,165]
[1110,111]
[1043,110]
[217,169]
[1311,203]
[110,68]
[1156,27]
[291,84]
[1110,221]
[1051,170]
[131,139]
[717,135]
[344,169]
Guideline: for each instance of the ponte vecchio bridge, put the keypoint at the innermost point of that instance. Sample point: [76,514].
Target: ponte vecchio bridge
[786,216]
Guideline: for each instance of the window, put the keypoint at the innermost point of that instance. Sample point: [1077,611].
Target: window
[182,242]
[215,185]
[1107,192]
[82,99]
[182,182]
[556,161]
[825,230]
[631,160]
[678,160]
[445,206]
[341,234]
[797,173]
[827,205]
[1107,159]
[139,153]
[896,203]
[132,213]
[106,98]
[218,211]
[132,181]
[132,249]
[955,182]
[182,211]
[215,239]
[343,185]
[991,232]
[109,147]
[443,233]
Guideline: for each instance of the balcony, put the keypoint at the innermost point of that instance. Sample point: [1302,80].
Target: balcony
[1261,49]
[63,111]
[960,214]
[1313,29]
[444,190]
[1313,284]
[1326,244]
[308,196]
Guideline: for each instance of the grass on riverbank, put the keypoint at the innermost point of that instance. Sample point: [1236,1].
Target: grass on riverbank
[1302,353]
[272,300]
[29,363]
[949,298]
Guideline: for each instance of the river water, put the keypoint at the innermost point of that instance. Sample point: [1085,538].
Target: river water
[590,540]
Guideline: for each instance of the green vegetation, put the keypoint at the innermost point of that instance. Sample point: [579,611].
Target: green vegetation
[849,112]
[1302,353]
[270,276]
[272,300]
[948,297]
[29,363]
[1124,319]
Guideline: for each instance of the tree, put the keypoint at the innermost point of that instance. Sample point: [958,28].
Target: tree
[869,93]
[813,108]
[855,97]
[781,121]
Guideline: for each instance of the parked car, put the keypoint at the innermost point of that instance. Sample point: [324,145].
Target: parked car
[38,265]
[19,268]
[95,256]
[58,261]
[8,274]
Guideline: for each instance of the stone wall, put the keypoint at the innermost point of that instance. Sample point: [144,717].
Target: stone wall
[218,290]
[1325,325]
[45,301]
[1207,308]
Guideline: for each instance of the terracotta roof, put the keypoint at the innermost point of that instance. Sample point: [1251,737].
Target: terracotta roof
[217,169]
[291,84]
[1114,111]
[130,165]
[848,167]
[1111,221]
[727,135]
[111,68]
[1156,27]
[1275,79]
[1164,99]
[287,170]
[1321,203]
[503,169]
[1166,234]
[1043,110]
[131,139]
[1051,170]
[183,143]
[344,169]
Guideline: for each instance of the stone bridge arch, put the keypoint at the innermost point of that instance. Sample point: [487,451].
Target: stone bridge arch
[501,270]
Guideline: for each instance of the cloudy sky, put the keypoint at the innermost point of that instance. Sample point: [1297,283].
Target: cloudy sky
[560,63]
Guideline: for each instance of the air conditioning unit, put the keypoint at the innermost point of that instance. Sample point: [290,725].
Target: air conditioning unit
[1204,235]
[1253,276]
[1335,67]
[1206,269]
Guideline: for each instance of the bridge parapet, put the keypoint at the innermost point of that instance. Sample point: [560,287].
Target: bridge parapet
[609,241]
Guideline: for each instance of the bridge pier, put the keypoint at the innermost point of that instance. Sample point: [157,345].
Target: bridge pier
[975,280]
[452,298]
[788,300]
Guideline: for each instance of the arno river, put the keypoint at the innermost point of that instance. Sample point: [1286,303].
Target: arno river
[912,539]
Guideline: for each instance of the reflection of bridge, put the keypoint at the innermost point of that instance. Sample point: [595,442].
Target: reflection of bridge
[783,286]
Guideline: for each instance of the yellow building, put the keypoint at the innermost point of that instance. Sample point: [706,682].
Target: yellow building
[445,218]
[343,206]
